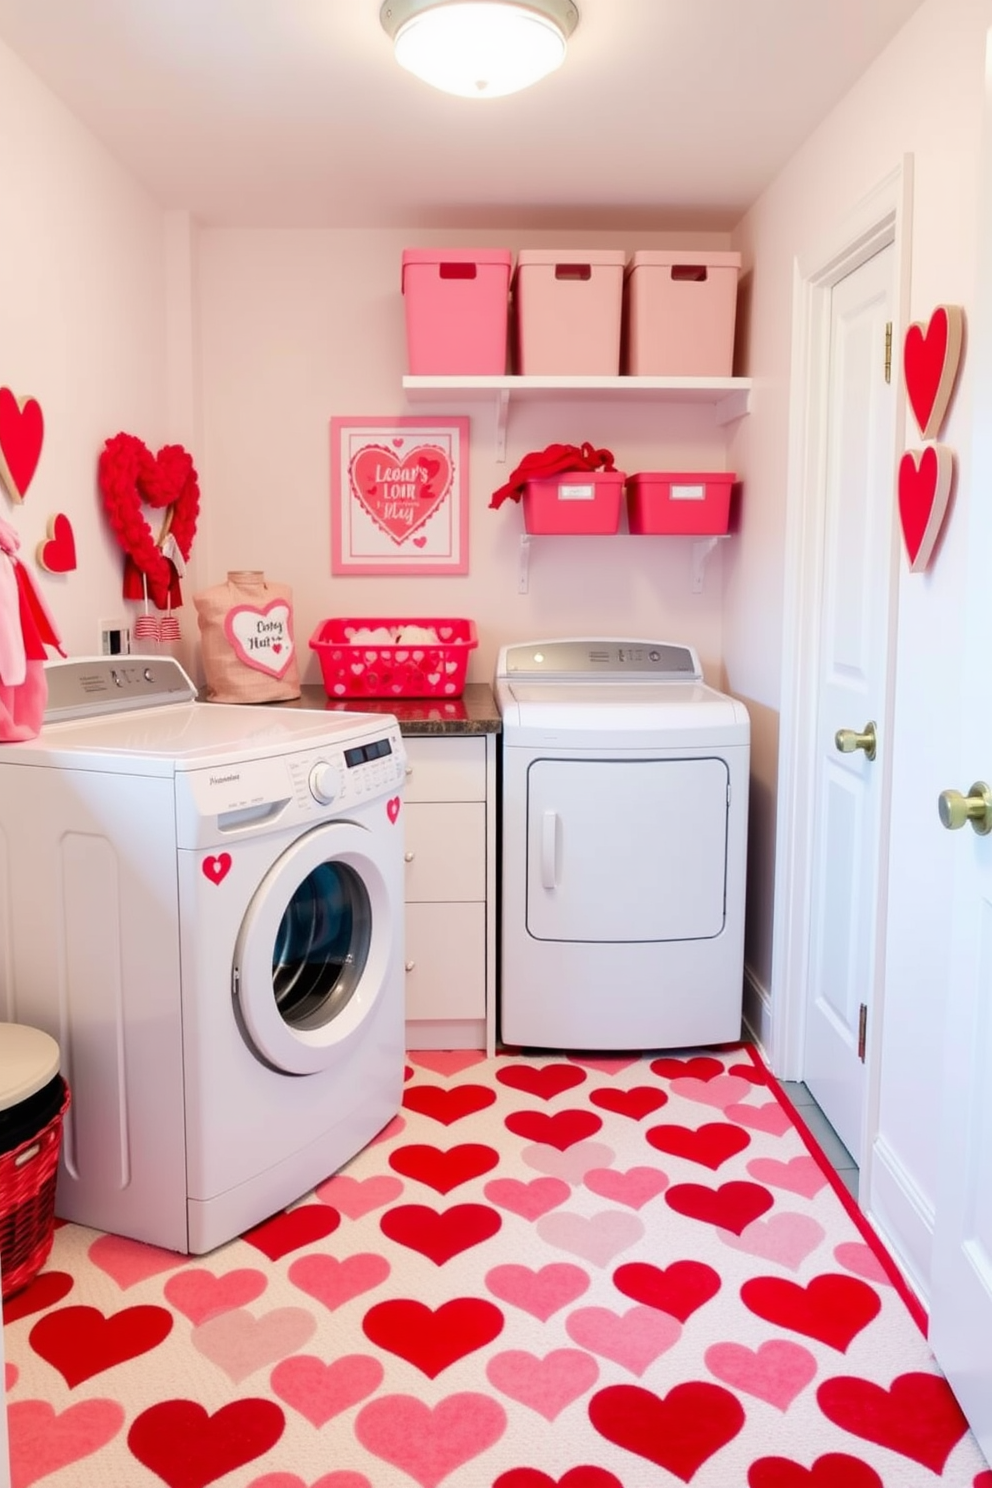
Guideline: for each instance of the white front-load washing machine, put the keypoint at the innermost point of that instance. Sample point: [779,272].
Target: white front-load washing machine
[203,905]
[624,814]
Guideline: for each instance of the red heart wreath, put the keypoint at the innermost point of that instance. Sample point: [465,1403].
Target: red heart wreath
[128,474]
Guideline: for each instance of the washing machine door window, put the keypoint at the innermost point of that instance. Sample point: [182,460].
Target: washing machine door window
[315,949]
[322,946]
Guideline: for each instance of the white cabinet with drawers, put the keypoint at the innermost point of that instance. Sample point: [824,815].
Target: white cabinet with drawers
[450,826]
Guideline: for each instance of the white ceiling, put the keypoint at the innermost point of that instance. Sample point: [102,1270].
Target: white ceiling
[666,114]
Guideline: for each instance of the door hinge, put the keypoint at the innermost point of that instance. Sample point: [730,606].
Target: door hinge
[888,351]
[862,1030]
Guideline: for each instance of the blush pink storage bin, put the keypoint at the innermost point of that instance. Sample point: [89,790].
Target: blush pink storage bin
[379,671]
[679,503]
[680,310]
[457,305]
[578,502]
[567,312]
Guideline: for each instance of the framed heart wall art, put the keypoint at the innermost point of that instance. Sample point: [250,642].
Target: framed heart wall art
[399,495]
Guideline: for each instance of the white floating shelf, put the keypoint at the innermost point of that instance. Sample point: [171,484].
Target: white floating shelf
[729,397]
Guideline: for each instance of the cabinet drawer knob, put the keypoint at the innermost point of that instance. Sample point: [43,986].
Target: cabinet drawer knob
[409,770]
[408,857]
[410,965]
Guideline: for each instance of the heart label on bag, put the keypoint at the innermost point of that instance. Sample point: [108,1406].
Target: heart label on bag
[401,492]
[262,638]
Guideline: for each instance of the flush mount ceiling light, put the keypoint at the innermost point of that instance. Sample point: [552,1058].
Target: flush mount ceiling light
[480,48]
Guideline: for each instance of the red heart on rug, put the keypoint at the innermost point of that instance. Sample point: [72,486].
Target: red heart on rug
[429,1338]
[321,1391]
[831,1308]
[400,493]
[448,1106]
[925,478]
[444,1170]
[188,1448]
[833,1470]
[917,1416]
[80,1342]
[529,1200]
[199,1294]
[288,1231]
[22,430]
[543,1081]
[57,554]
[701,1067]
[636,1103]
[678,1433]
[334,1282]
[47,1288]
[430,1443]
[679,1289]
[41,1442]
[749,1072]
[561,1130]
[576,1477]
[732,1206]
[931,354]
[711,1145]
[541,1293]
[440,1236]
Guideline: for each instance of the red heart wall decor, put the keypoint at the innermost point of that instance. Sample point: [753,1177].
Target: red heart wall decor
[57,553]
[22,429]
[931,354]
[925,478]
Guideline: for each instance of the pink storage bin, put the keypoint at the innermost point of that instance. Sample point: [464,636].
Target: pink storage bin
[415,670]
[457,308]
[680,311]
[579,502]
[567,312]
[679,503]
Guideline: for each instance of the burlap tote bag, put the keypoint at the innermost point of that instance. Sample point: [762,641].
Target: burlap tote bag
[246,634]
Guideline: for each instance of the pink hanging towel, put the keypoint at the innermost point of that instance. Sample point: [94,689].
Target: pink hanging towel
[26,628]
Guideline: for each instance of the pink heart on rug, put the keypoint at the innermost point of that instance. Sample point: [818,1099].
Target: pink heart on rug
[607,1065]
[786,1238]
[545,1385]
[597,1238]
[770,1117]
[862,1260]
[446,1061]
[199,1294]
[541,1293]
[183,1444]
[128,1261]
[357,1196]
[777,1371]
[720,1091]
[571,1166]
[800,1175]
[335,1282]
[635,1187]
[321,1391]
[832,1470]
[41,1442]
[240,1344]
[392,1129]
[427,1443]
[633,1339]
[330,1480]
[529,1200]
[917,1416]
[11,1374]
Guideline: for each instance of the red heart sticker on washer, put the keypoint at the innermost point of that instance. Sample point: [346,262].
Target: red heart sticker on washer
[393,808]
[217,869]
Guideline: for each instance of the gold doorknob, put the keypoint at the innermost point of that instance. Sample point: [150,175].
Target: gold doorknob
[848,740]
[976,807]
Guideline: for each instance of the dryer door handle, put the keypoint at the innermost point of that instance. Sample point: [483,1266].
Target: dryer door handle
[549,849]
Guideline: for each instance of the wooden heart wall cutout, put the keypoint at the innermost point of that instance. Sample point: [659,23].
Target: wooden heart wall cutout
[57,554]
[925,479]
[22,429]
[401,492]
[931,356]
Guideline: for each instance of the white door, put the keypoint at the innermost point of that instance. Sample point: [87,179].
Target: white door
[961,1273]
[854,627]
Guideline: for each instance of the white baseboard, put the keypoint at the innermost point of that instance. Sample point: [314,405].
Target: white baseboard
[757,1013]
[902,1215]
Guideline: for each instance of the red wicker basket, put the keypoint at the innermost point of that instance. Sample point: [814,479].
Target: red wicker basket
[28,1175]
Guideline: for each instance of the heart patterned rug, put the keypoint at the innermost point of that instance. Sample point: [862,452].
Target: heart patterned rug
[546,1272]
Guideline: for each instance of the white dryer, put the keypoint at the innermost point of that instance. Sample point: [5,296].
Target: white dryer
[624,813]
[203,904]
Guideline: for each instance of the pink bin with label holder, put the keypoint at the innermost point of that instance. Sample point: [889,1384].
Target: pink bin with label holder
[684,504]
[567,312]
[457,309]
[576,503]
[680,312]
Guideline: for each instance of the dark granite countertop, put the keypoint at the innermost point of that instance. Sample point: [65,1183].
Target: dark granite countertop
[475,712]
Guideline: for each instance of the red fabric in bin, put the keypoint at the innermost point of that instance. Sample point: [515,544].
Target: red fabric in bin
[556,459]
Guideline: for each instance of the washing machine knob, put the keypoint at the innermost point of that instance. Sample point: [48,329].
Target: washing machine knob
[324,782]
